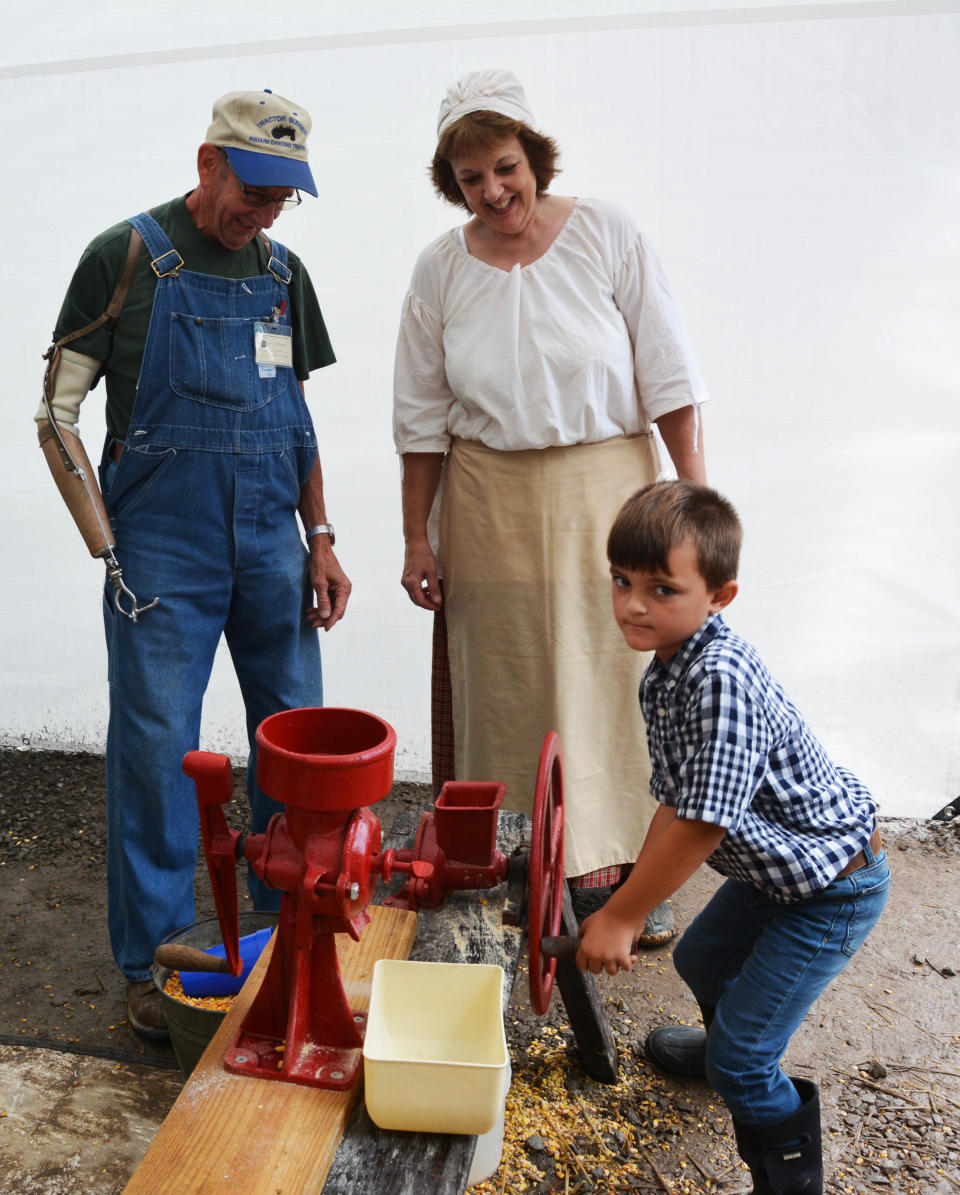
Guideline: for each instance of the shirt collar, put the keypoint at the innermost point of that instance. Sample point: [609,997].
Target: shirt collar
[678,662]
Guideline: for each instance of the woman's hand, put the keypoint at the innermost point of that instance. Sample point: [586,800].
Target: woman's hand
[421,578]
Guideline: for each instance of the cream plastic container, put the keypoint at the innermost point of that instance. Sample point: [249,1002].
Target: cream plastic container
[489,1150]
[435,1054]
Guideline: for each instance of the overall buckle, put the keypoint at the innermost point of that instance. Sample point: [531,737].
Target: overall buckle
[167,265]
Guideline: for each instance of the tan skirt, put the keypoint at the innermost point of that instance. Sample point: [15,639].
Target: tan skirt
[532,641]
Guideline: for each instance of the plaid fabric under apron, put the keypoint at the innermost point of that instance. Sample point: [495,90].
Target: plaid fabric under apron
[441,707]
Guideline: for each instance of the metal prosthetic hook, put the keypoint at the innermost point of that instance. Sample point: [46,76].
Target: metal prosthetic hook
[122,590]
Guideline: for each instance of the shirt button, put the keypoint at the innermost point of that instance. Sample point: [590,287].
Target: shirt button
[661,712]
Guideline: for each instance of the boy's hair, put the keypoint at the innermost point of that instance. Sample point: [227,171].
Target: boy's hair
[665,514]
[483,131]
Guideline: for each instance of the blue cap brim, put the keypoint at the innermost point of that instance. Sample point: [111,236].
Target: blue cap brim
[270,170]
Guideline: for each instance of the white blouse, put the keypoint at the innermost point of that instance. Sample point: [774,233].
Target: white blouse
[583,344]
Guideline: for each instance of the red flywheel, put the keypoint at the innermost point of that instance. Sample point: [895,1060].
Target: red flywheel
[545,871]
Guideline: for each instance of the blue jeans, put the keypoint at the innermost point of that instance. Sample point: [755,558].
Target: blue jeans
[760,966]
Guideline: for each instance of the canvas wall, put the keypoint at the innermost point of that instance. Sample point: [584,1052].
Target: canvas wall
[797,168]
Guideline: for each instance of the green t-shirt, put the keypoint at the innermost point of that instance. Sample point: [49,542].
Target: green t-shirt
[121,349]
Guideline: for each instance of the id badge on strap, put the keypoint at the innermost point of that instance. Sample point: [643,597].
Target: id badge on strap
[273,347]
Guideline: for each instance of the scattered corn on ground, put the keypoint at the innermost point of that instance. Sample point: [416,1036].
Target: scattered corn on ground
[565,1133]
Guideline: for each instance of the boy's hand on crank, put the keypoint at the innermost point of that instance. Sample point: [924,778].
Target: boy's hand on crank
[605,943]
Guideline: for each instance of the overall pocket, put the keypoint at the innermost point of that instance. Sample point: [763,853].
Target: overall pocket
[212,361]
[132,478]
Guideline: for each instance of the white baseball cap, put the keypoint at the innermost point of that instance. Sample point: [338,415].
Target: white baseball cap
[265,139]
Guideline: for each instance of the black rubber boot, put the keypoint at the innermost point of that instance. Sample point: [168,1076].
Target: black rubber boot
[748,1148]
[786,1157]
[680,1049]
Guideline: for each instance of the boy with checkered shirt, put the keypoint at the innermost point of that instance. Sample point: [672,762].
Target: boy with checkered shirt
[744,786]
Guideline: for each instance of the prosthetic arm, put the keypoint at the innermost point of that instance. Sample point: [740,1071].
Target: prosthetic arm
[66,383]
[67,380]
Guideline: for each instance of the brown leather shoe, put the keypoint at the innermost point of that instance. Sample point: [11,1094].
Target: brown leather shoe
[145,1010]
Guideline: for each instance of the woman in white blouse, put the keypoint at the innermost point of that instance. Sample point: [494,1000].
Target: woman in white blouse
[538,343]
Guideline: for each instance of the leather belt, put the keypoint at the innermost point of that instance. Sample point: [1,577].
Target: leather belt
[860,858]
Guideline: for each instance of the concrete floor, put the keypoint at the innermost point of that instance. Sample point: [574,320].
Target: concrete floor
[75,1125]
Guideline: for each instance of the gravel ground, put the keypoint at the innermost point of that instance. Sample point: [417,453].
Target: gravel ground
[882,1043]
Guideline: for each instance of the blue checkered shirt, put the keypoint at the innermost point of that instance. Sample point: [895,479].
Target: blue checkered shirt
[729,748]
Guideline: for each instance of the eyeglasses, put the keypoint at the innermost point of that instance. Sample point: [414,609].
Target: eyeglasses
[254,197]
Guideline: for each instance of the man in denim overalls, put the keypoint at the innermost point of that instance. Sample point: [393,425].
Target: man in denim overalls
[210,455]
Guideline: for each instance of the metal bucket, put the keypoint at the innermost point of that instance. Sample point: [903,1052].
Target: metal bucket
[192,1028]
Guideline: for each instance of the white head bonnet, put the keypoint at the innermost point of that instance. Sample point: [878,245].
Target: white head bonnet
[485,91]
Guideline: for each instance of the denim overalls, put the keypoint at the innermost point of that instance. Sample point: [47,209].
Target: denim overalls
[202,503]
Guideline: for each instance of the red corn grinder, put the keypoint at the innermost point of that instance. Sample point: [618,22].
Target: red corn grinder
[323,852]
[326,765]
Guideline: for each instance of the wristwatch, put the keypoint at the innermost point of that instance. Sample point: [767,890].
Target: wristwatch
[322,529]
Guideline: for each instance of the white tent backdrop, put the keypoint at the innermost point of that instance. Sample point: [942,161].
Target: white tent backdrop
[796,166]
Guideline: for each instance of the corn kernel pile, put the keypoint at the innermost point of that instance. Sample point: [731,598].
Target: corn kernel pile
[173,987]
[637,1135]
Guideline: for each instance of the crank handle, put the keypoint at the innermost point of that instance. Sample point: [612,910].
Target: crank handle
[187,958]
[567,947]
[122,590]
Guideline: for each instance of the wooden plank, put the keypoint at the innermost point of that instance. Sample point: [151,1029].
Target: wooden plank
[231,1133]
[466,929]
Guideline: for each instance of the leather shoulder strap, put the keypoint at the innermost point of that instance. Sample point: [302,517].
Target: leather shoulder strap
[119,296]
[117,299]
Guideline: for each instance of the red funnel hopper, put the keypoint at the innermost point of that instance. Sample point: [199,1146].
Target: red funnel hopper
[325,759]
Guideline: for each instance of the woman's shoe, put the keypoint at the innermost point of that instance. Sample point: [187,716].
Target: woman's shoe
[659,928]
